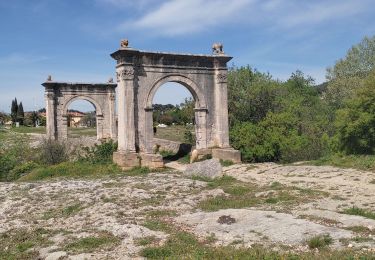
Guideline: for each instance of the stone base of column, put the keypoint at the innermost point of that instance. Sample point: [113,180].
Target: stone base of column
[227,154]
[126,160]
[152,161]
[202,154]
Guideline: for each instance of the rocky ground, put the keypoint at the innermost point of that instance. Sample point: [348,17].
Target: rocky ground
[280,207]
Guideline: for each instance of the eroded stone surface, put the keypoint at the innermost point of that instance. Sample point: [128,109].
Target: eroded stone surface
[258,226]
[122,205]
[208,168]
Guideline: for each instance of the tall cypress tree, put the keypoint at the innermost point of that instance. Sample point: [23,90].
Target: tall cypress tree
[14,110]
[20,113]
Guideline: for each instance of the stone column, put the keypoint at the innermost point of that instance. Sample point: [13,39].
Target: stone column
[149,131]
[99,127]
[112,116]
[126,126]
[201,128]
[221,109]
[50,114]
[62,126]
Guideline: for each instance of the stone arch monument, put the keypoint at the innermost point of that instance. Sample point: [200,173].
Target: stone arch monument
[141,73]
[59,95]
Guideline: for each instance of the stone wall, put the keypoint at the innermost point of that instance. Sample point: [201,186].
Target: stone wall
[167,145]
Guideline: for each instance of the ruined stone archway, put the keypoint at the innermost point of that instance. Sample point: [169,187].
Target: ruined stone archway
[59,95]
[141,73]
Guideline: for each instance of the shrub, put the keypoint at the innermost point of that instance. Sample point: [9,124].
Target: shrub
[53,152]
[100,153]
[14,152]
[356,122]
[319,241]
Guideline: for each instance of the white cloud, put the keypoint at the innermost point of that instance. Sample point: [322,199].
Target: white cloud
[312,13]
[177,17]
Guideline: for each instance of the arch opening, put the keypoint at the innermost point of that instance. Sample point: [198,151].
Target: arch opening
[173,120]
[81,118]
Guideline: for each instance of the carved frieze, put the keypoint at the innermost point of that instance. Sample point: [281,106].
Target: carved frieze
[50,96]
[222,78]
[125,74]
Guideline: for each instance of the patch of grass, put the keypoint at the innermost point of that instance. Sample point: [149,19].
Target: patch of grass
[183,245]
[185,159]
[19,243]
[103,240]
[72,170]
[165,153]
[360,162]
[226,163]
[242,195]
[361,230]
[29,130]
[276,185]
[81,131]
[144,241]
[319,241]
[157,225]
[320,220]
[142,171]
[173,133]
[359,212]
[362,239]
[161,213]
[64,212]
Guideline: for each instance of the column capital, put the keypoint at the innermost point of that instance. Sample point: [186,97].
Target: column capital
[125,73]
[222,77]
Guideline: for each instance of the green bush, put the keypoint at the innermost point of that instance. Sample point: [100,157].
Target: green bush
[53,152]
[356,121]
[14,152]
[277,121]
[100,153]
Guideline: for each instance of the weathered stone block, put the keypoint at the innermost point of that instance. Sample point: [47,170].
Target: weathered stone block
[152,161]
[126,160]
[228,154]
[208,168]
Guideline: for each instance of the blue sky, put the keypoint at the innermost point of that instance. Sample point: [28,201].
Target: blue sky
[72,39]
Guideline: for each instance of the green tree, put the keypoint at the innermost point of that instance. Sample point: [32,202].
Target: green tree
[283,121]
[13,110]
[350,72]
[20,114]
[356,121]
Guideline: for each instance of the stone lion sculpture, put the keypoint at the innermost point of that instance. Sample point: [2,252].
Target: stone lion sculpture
[124,43]
[217,48]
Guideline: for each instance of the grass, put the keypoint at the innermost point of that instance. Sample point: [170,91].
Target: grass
[183,245]
[359,212]
[72,170]
[242,195]
[19,243]
[360,162]
[157,225]
[81,131]
[29,130]
[226,163]
[173,133]
[104,240]
[144,241]
[64,212]
[319,241]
